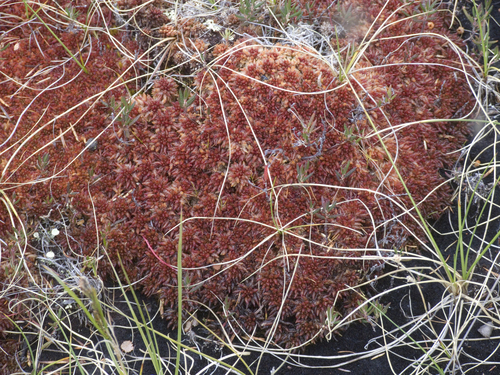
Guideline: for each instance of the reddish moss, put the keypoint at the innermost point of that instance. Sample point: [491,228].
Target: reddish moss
[42,135]
[257,240]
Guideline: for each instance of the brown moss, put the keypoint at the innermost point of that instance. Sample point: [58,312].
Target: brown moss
[266,119]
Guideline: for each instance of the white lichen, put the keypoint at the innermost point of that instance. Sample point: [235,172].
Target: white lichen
[211,25]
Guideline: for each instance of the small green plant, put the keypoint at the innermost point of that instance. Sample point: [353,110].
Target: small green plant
[121,112]
[250,10]
[350,134]
[388,98]
[345,16]
[286,12]
[302,170]
[307,128]
[72,13]
[185,98]
[43,162]
[333,318]
[304,137]
[480,20]
[214,4]
[372,311]
[324,212]
[227,35]
[428,7]
[345,172]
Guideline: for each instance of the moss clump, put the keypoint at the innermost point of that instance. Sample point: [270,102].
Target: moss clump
[278,165]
